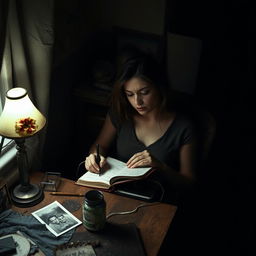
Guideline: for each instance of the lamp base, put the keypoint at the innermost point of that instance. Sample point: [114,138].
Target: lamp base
[27,195]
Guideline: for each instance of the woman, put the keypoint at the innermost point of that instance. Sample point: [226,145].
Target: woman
[147,132]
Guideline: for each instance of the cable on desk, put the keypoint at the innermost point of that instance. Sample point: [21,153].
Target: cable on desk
[132,211]
[139,206]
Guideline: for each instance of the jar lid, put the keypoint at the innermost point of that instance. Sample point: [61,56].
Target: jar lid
[94,197]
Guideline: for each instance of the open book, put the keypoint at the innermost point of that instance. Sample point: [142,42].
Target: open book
[116,173]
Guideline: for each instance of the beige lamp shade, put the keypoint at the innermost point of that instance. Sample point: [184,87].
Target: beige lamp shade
[20,118]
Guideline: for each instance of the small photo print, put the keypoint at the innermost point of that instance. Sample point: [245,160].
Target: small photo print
[57,218]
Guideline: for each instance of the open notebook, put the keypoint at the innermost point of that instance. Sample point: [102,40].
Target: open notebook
[121,180]
[115,173]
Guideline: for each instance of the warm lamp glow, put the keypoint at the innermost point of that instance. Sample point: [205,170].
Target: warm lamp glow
[20,118]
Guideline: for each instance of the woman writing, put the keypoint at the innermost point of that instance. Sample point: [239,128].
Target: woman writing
[146,131]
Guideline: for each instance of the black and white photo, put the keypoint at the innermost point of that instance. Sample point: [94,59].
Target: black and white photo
[57,218]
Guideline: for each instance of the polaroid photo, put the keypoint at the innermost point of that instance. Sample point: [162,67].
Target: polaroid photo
[57,218]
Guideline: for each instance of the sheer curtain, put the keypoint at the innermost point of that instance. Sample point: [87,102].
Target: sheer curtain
[26,57]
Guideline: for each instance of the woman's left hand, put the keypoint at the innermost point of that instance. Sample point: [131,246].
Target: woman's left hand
[142,159]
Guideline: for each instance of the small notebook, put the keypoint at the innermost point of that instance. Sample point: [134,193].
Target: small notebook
[115,240]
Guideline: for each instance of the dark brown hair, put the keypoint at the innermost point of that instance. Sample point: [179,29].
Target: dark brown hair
[142,66]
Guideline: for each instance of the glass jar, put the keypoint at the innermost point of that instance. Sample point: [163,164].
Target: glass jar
[94,210]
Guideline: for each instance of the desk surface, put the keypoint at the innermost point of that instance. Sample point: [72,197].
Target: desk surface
[152,221]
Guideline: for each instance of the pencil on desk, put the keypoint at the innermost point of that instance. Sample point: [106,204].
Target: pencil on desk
[65,194]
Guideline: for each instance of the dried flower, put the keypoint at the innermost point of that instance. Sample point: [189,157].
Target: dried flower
[26,126]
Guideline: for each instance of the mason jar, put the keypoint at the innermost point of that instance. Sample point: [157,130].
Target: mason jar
[94,210]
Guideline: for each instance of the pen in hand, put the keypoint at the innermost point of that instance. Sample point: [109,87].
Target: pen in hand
[98,157]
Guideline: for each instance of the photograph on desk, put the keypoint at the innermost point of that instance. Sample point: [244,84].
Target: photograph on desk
[57,218]
[116,172]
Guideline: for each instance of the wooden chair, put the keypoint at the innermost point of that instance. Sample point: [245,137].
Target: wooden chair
[204,121]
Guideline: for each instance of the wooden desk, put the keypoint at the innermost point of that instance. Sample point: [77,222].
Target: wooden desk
[153,221]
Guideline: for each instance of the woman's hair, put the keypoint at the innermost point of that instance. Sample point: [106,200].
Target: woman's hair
[142,66]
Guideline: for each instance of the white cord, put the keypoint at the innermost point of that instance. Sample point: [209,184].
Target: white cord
[132,211]
[139,206]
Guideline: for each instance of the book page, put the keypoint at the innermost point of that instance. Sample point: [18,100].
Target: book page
[117,168]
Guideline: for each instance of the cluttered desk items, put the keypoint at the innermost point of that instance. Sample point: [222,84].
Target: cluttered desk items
[30,234]
[114,239]
[148,235]
[76,248]
[7,245]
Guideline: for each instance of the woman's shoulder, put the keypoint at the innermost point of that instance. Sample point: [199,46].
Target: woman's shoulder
[184,128]
[183,124]
[183,119]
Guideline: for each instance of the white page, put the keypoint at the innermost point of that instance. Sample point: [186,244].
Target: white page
[117,168]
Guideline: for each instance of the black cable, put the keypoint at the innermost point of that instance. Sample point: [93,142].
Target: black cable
[78,167]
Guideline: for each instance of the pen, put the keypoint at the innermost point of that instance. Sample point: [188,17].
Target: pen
[98,156]
[65,194]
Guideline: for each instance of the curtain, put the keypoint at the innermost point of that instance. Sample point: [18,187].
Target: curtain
[3,19]
[27,56]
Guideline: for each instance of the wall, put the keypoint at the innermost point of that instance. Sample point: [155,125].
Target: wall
[144,15]
[80,21]
[183,59]
[77,21]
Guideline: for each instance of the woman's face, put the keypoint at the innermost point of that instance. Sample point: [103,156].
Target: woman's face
[142,96]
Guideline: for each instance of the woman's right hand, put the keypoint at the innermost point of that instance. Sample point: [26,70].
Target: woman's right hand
[91,164]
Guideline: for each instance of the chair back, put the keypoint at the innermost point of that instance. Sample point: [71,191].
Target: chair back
[204,121]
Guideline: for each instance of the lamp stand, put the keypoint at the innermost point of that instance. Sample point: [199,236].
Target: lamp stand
[25,194]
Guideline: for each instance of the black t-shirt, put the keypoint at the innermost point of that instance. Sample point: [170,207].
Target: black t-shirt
[166,148]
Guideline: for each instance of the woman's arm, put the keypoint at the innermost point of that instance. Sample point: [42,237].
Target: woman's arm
[104,139]
[183,179]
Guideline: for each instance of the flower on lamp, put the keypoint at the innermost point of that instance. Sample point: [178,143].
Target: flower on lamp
[26,126]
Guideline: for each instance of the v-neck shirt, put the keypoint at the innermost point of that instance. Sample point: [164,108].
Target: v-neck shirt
[165,149]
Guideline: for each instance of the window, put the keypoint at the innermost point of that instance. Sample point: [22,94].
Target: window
[8,150]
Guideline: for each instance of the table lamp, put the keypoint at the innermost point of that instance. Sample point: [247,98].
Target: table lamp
[19,120]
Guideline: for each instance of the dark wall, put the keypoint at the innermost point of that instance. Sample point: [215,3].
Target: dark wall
[224,87]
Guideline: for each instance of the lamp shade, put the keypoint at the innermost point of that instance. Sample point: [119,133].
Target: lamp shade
[20,118]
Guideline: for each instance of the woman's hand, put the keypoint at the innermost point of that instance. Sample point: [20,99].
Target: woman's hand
[142,159]
[91,164]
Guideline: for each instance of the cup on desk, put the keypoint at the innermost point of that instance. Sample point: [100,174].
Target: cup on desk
[94,210]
